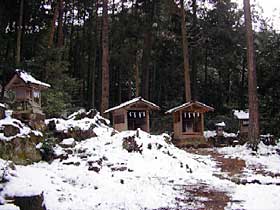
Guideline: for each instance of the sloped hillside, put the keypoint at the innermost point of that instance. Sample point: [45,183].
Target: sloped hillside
[136,170]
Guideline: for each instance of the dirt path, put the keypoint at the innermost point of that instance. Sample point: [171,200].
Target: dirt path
[233,167]
[230,169]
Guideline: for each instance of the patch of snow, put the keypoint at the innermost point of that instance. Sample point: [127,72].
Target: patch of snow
[132,101]
[84,123]
[9,207]
[241,115]
[221,124]
[255,196]
[209,134]
[37,133]
[27,78]
[266,156]
[24,130]
[8,113]
[230,135]
[73,115]
[68,142]
[2,105]
[39,146]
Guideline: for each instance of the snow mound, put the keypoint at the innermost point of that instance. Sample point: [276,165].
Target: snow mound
[83,120]
[99,173]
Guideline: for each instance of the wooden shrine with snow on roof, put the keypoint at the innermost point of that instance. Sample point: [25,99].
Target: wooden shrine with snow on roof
[188,123]
[132,114]
[27,95]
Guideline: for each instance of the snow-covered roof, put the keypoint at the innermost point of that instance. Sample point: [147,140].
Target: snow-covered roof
[188,104]
[27,78]
[132,101]
[221,124]
[241,114]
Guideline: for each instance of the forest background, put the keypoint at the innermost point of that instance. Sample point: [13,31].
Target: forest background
[60,42]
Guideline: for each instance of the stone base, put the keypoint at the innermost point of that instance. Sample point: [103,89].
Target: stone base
[34,120]
[28,116]
[196,142]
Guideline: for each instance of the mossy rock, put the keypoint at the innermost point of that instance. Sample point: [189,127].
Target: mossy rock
[21,151]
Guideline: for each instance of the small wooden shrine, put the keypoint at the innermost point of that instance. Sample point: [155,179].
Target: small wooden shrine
[188,122]
[132,114]
[27,95]
[243,121]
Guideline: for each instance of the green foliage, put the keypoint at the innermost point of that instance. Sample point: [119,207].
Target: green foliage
[52,65]
[217,48]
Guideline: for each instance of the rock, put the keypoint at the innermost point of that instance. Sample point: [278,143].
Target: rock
[71,163]
[103,121]
[122,181]
[167,139]
[35,202]
[268,140]
[62,157]
[52,125]
[94,168]
[10,130]
[37,125]
[36,138]
[114,132]
[92,162]
[76,133]
[122,168]
[69,151]
[82,114]
[130,144]
[159,146]
[21,151]
[92,113]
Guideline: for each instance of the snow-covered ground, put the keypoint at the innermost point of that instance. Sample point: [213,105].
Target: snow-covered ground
[99,173]
[263,171]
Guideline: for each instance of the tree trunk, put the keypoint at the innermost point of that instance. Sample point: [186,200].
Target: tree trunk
[241,92]
[253,134]
[136,78]
[206,70]
[194,53]
[92,56]
[145,83]
[19,32]
[55,16]
[60,25]
[185,54]
[105,59]
[147,47]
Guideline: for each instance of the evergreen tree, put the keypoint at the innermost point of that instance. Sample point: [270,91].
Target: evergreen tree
[252,80]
